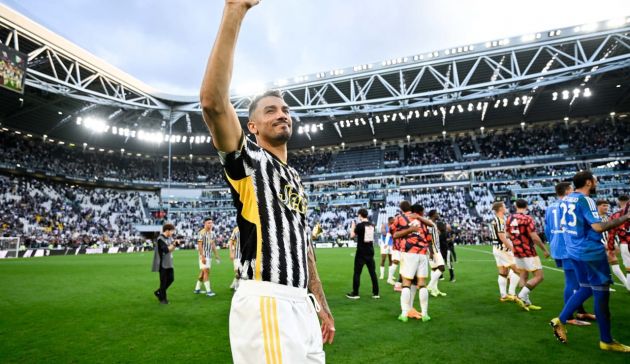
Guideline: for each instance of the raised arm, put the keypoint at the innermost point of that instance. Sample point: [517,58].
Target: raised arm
[218,112]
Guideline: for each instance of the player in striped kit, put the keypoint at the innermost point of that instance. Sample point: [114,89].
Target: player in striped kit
[620,236]
[386,250]
[235,255]
[205,247]
[603,207]
[502,250]
[274,312]
[436,261]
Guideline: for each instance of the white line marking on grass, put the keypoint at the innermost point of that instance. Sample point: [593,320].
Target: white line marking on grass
[544,266]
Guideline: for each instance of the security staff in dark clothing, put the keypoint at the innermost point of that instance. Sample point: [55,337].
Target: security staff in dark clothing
[163,261]
[364,231]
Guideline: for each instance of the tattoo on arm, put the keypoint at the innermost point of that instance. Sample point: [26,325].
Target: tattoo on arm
[611,224]
[314,284]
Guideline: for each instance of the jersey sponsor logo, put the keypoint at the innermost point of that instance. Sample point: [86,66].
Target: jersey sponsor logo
[293,200]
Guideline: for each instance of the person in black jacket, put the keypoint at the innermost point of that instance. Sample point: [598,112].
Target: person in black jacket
[163,261]
[364,231]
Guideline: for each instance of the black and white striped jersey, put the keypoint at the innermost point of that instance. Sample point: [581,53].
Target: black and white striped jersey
[496,226]
[206,238]
[605,218]
[435,233]
[235,240]
[271,215]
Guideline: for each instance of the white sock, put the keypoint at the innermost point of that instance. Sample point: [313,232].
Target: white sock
[424,301]
[514,279]
[628,281]
[524,294]
[503,285]
[198,285]
[412,295]
[207,284]
[619,273]
[392,270]
[435,278]
[404,300]
[382,272]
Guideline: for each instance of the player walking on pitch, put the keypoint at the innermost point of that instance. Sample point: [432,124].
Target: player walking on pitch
[235,255]
[554,234]
[603,206]
[273,316]
[521,230]
[386,243]
[582,229]
[205,247]
[619,238]
[502,249]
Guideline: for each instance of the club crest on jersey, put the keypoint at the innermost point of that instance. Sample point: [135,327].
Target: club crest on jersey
[293,200]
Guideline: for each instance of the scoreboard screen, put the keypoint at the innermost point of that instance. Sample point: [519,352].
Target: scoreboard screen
[12,69]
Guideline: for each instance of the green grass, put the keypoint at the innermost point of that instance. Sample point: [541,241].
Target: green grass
[100,308]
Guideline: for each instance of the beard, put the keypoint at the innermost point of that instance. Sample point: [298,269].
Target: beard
[283,137]
[592,191]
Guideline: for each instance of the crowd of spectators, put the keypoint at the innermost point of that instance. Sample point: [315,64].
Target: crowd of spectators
[45,213]
[427,153]
[580,138]
[535,140]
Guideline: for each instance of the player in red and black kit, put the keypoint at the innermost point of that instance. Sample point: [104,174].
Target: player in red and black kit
[621,235]
[411,229]
[521,230]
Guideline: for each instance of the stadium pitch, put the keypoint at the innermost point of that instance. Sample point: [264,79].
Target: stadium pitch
[100,308]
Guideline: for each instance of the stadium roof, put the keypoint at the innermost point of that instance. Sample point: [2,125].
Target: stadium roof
[571,72]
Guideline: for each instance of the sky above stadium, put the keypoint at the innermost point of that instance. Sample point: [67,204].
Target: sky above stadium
[166,43]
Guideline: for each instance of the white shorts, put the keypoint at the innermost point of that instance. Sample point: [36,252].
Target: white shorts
[386,249]
[503,258]
[625,255]
[272,323]
[396,255]
[437,260]
[414,265]
[529,264]
[207,265]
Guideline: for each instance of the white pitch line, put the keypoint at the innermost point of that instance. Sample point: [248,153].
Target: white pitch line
[544,266]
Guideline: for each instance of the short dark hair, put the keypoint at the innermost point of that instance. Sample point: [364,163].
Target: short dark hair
[416,208]
[405,206]
[562,188]
[602,202]
[497,206]
[521,204]
[623,198]
[207,219]
[391,218]
[433,213]
[269,93]
[363,213]
[168,226]
[580,178]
